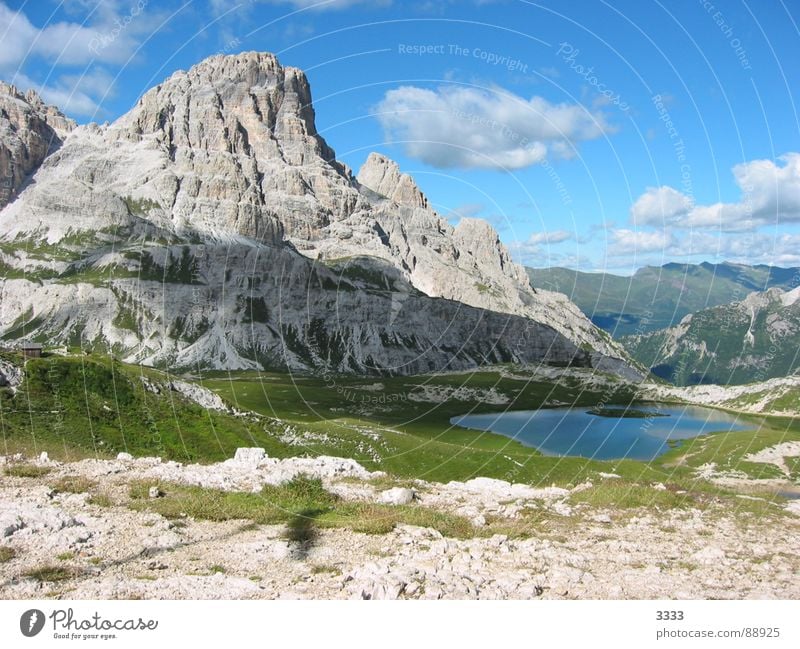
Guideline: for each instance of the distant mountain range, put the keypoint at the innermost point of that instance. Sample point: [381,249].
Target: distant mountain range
[747,341]
[656,297]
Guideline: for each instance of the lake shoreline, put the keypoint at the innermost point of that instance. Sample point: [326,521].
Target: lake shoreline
[576,432]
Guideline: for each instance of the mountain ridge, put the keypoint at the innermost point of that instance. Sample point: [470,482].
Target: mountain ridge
[747,341]
[655,297]
[29,131]
[220,169]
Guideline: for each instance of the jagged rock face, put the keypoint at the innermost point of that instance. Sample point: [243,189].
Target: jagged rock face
[229,152]
[743,342]
[383,176]
[29,131]
[228,148]
[240,133]
[282,311]
[467,263]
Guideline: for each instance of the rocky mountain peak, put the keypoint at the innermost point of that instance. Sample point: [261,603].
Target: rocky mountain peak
[242,104]
[383,176]
[29,131]
[227,154]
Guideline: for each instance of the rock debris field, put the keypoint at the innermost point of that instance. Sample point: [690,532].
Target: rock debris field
[86,541]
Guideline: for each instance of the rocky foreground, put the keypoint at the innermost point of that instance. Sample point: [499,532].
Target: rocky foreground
[57,543]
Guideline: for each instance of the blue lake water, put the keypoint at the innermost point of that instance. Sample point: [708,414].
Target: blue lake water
[574,431]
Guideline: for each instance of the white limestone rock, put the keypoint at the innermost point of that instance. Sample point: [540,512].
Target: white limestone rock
[397,496]
[29,131]
[383,176]
[249,456]
[200,395]
[10,375]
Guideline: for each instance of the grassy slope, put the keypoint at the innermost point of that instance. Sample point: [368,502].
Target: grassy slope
[621,304]
[412,439]
[82,406]
[89,405]
[728,450]
[723,330]
[417,440]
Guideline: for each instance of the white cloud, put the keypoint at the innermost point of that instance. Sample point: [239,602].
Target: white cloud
[111,38]
[770,194]
[631,249]
[635,242]
[80,94]
[472,128]
[73,94]
[108,34]
[16,34]
[468,210]
[539,247]
[221,6]
[747,248]
[659,206]
[70,101]
[552,237]
[97,82]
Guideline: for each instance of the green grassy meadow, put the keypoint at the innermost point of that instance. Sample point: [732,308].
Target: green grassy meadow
[94,406]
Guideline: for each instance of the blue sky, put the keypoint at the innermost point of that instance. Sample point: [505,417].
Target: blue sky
[596,135]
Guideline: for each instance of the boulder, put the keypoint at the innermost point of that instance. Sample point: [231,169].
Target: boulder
[250,456]
[398,496]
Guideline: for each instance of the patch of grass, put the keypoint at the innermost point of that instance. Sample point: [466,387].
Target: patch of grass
[384,482]
[728,450]
[323,568]
[27,471]
[49,573]
[272,505]
[217,569]
[302,504]
[65,556]
[139,206]
[620,494]
[106,409]
[6,553]
[101,500]
[373,518]
[73,484]
[528,524]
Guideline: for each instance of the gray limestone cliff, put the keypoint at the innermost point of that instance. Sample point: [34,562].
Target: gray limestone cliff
[212,226]
[29,131]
